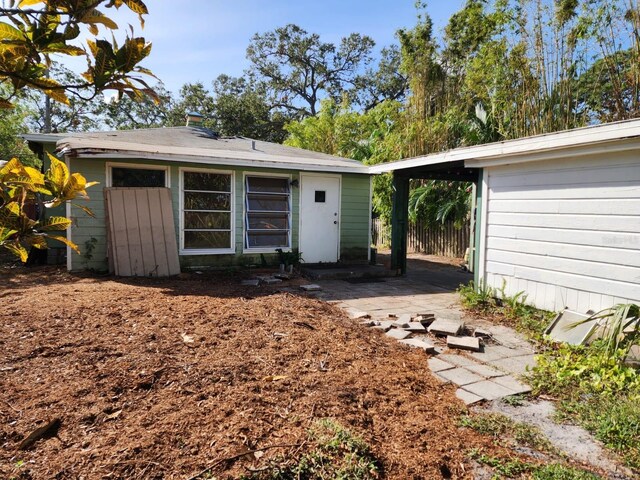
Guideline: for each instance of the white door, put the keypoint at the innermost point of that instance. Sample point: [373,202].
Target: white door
[319,218]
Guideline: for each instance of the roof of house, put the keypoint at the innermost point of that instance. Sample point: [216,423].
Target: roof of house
[199,145]
[607,137]
[194,145]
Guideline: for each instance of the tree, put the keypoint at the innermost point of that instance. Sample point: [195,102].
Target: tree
[298,69]
[78,115]
[193,97]
[21,186]
[126,113]
[12,124]
[386,82]
[34,30]
[240,108]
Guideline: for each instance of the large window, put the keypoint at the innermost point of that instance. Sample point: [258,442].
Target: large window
[207,207]
[267,213]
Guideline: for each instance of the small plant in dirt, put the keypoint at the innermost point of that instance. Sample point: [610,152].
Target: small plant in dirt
[291,257]
[510,309]
[337,454]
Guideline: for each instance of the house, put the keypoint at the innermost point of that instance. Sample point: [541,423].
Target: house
[557,216]
[234,200]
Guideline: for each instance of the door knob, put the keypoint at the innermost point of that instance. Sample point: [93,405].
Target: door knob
[335,222]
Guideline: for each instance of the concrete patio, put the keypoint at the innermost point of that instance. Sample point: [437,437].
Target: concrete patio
[429,287]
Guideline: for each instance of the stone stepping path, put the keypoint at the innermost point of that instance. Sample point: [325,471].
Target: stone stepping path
[488,374]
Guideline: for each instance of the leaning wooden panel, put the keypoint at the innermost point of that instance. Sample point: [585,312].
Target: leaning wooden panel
[142,232]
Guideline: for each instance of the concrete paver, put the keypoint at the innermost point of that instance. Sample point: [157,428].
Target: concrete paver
[512,384]
[467,397]
[437,365]
[489,390]
[515,365]
[484,371]
[458,360]
[460,376]
[398,334]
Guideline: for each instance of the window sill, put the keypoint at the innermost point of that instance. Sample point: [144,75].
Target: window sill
[265,250]
[188,252]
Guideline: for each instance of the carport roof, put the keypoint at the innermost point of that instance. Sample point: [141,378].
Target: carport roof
[465,161]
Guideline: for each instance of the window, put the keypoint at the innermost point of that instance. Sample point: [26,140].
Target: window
[268,209]
[138,176]
[206,211]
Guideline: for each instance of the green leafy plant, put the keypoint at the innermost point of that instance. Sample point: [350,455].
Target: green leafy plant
[20,186]
[500,426]
[481,297]
[291,257]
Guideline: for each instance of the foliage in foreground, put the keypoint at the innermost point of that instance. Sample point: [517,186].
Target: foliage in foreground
[32,32]
[22,187]
[595,390]
[337,454]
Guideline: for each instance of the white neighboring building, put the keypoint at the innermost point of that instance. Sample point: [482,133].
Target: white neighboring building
[559,214]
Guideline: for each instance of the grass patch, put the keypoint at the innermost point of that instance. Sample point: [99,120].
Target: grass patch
[337,454]
[500,426]
[510,309]
[596,391]
[518,469]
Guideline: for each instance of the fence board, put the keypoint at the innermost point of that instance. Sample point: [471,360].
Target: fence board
[445,240]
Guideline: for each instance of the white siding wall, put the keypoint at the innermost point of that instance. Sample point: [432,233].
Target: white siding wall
[567,232]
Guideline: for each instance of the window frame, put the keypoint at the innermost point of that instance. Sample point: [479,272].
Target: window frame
[245,230]
[232,204]
[137,166]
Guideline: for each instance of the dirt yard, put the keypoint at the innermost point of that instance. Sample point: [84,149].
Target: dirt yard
[163,378]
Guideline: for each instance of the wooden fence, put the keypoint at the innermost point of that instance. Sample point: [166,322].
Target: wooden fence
[443,240]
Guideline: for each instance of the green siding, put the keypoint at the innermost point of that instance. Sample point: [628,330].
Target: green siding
[355,216]
[354,236]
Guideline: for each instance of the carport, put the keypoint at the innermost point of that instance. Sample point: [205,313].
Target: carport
[446,166]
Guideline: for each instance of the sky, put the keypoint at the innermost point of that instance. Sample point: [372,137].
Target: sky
[197,40]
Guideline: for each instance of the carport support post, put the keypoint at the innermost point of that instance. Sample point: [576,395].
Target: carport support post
[399,224]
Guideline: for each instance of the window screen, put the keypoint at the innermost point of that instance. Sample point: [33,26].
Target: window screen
[268,215]
[137,177]
[207,210]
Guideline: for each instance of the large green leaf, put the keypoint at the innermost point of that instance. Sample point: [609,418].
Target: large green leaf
[55,223]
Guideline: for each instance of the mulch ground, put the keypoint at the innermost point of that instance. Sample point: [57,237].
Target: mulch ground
[163,378]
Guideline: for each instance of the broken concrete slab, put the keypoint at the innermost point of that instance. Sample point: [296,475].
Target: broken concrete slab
[357,314]
[512,384]
[488,389]
[446,327]
[312,287]
[368,323]
[481,333]
[425,345]
[464,343]
[437,365]
[570,327]
[270,281]
[384,325]
[400,324]
[415,327]
[253,282]
[282,276]
[467,397]
[398,334]
[460,376]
